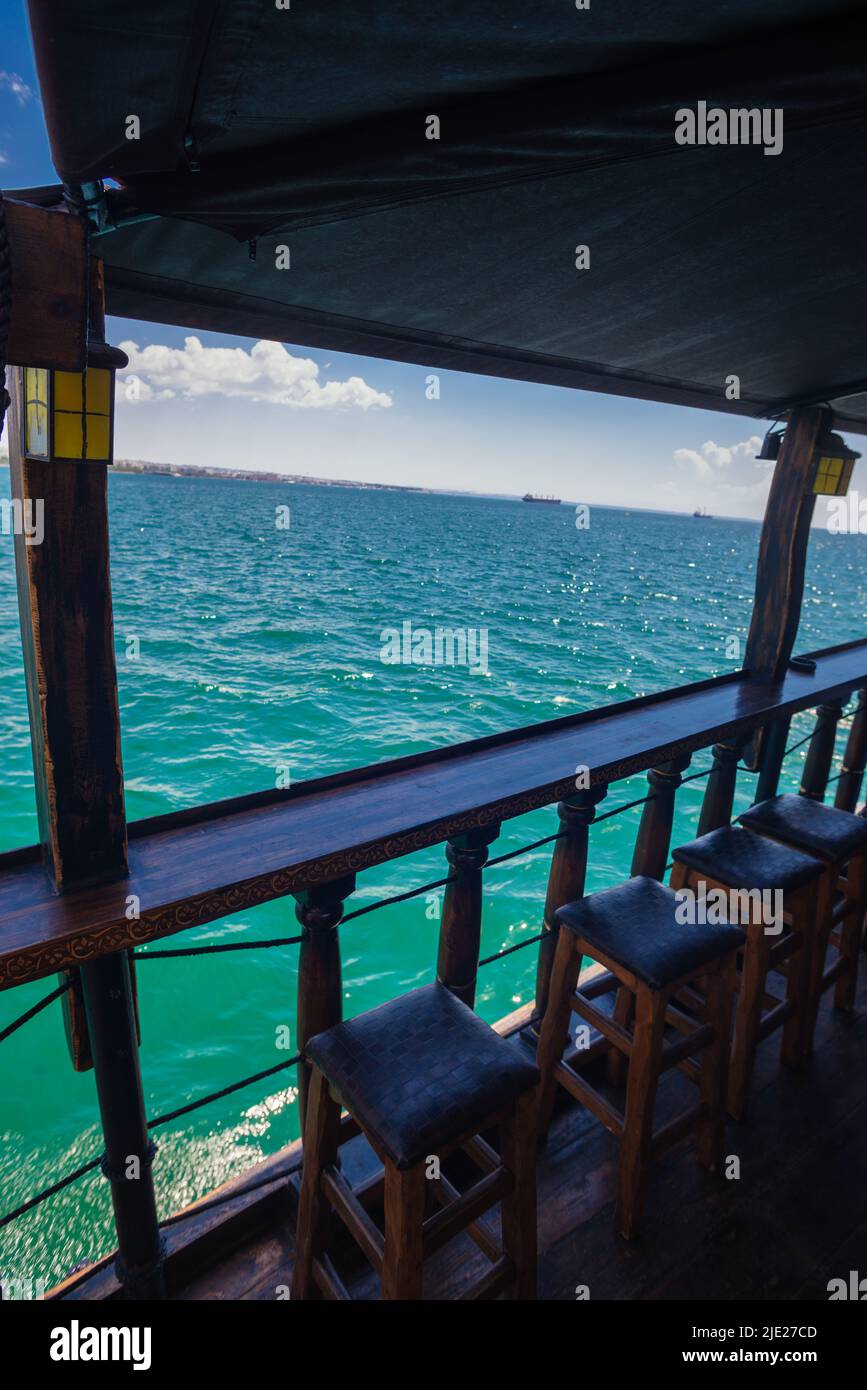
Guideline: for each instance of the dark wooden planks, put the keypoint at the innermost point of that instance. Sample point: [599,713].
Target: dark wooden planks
[187,870]
[48,250]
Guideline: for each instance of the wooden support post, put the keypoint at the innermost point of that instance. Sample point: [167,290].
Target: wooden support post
[128,1150]
[566,880]
[461,926]
[780,571]
[854,759]
[820,751]
[67,630]
[719,794]
[320,990]
[654,833]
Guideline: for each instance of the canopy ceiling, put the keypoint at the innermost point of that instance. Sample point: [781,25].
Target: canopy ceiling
[305,128]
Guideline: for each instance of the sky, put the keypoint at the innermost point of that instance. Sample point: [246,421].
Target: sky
[213,400]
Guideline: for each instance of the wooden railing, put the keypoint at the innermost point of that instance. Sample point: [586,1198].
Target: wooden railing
[195,866]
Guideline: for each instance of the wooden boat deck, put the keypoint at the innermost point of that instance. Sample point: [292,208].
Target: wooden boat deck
[795,1218]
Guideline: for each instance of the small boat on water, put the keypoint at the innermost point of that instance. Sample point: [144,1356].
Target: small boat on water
[551,501]
[702,514]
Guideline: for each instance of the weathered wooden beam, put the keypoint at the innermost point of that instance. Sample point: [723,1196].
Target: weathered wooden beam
[781,565]
[783,546]
[64,600]
[48,255]
[67,630]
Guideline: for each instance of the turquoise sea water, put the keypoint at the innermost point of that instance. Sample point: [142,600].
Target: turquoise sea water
[259,649]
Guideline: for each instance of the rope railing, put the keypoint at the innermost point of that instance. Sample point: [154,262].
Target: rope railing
[32,1012]
[799,744]
[155,1123]
[212,950]
[509,950]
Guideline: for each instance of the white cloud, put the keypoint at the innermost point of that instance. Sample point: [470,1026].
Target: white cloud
[713,456]
[14,83]
[266,373]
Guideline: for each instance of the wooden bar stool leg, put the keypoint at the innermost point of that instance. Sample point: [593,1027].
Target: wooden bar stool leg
[818,951]
[850,935]
[321,1135]
[719,988]
[554,1033]
[404,1219]
[748,1016]
[622,1013]
[798,978]
[518,1156]
[644,1065]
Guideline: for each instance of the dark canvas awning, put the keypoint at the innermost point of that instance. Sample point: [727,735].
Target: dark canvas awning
[306,128]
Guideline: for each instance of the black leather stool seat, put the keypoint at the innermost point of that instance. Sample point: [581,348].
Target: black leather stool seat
[741,859]
[813,827]
[421,1071]
[635,925]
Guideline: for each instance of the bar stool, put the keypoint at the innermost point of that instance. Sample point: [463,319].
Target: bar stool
[839,839]
[633,931]
[737,860]
[422,1076]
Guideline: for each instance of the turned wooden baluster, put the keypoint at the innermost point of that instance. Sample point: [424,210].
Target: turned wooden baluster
[719,795]
[854,759]
[565,880]
[820,751]
[461,925]
[654,833]
[649,857]
[320,990]
[775,736]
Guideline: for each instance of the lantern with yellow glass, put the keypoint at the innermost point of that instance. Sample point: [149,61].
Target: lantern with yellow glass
[835,461]
[69,416]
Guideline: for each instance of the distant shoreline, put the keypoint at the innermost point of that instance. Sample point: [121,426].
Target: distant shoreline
[145,468]
[189,470]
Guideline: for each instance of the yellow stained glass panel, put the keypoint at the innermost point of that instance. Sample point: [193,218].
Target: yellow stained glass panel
[98,383]
[68,435]
[67,391]
[830,476]
[98,436]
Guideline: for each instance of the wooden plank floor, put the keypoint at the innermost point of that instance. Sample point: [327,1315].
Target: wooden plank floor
[795,1218]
